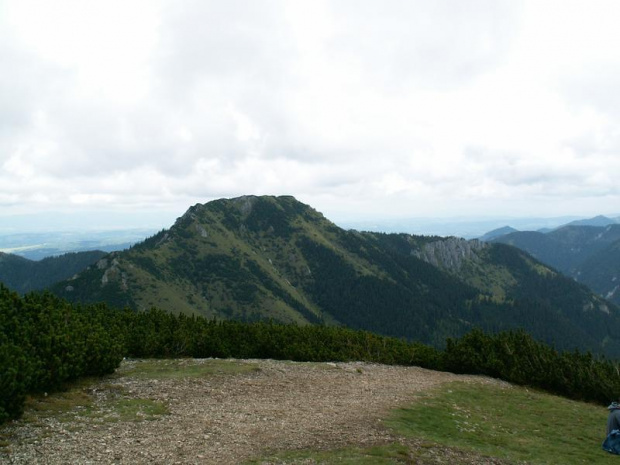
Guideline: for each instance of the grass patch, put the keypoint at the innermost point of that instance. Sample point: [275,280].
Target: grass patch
[513,423]
[77,404]
[476,421]
[63,406]
[133,410]
[185,368]
[5,443]
[390,454]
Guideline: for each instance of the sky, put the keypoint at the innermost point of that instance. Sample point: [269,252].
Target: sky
[362,109]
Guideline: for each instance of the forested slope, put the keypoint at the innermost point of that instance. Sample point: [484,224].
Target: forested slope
[23,275]
[274,258]
[588,254]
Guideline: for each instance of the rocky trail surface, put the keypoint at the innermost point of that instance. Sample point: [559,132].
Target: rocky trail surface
[238,411]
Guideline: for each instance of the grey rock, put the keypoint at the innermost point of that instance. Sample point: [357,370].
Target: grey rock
[202,231]
[450,253]
[245,204]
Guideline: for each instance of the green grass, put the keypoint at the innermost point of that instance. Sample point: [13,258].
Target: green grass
[390,454]
[508,422]
[185,368]
[134,410]
[64,405]
[77,404]
[475,421]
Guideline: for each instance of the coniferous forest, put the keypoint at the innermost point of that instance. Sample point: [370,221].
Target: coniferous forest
[46,342]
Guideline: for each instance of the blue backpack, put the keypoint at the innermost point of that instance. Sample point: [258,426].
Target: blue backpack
[612,442]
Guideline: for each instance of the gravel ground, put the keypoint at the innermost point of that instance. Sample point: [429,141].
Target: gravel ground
[231,418]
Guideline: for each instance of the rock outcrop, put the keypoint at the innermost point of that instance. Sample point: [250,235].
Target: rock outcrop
[450,253]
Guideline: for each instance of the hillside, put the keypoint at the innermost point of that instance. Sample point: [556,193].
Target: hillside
[601,272]
[23,275]
[254,258]
[588,254]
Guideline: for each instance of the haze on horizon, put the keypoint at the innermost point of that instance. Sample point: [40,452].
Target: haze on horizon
[364,110]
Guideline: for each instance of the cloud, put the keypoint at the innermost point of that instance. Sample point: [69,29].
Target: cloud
[400,107]
[430,44]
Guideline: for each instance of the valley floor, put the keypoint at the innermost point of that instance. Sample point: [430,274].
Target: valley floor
[225,412]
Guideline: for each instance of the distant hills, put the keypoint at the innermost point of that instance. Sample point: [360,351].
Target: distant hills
[23,275]
[465,227]
[260,258]
[599,221]
[586,250]
[497,233]
[596,221]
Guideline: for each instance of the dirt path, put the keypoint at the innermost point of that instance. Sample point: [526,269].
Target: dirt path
[229,418]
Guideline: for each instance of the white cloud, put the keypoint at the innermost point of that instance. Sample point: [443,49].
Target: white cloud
[400,108]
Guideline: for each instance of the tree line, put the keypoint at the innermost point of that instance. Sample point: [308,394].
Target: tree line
[46,342]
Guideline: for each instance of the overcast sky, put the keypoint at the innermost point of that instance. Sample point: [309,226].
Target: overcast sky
[362,109]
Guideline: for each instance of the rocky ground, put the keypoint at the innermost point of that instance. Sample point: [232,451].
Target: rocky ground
[232,417]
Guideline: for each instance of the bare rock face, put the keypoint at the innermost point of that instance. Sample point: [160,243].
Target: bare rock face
[163,240]
[108,275]
[450,253]
[202,231]
[113,273]
[245,204]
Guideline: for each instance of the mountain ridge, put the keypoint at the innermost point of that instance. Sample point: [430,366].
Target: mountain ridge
[24,275]
[588,254]
[260,258]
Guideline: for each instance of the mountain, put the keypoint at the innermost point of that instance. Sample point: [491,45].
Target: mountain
[588,254]
[260,258]
[601,272]
[599,220]
[23,275]
[466,227]
[497,233]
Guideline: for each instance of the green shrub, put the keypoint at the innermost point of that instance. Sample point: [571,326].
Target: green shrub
[46,342]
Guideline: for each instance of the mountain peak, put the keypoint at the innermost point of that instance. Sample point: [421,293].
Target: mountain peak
[599,220]
[246,203]
[279,216]
[499,232]
[250,212]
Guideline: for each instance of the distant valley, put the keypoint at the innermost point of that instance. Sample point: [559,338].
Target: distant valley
[39,245]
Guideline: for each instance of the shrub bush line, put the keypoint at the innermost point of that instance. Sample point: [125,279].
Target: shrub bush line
[45,343]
